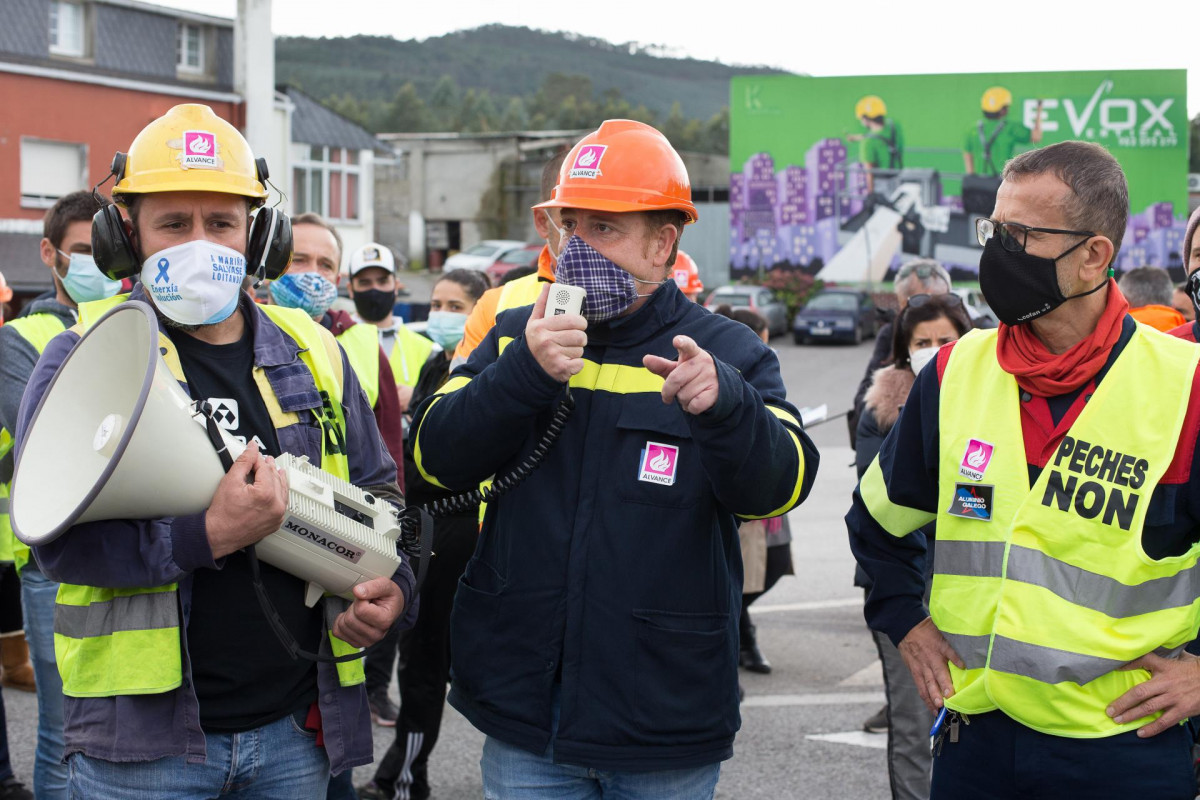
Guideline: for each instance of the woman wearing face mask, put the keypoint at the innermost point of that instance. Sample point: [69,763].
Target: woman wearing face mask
[425,650]
[927,323]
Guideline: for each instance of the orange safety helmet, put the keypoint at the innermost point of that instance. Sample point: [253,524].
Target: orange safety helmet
[687,277]
[623,166]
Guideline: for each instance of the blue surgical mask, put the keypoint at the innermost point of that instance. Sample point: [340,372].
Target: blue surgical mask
[84,282]
[311,293]
[446,328]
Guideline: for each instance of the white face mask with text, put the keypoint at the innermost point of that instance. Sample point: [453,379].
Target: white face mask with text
[195,283]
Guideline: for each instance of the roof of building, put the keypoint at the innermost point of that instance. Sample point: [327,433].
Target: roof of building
[178,13]
[313,123]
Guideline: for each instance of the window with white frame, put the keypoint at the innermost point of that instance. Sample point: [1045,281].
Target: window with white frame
[328,183]
[50,170]
[189,48]
[67,31]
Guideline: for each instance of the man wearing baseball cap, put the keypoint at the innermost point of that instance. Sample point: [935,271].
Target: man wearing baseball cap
[373,289]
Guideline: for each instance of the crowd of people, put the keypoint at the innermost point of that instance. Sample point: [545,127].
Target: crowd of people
[163,678]
[609,493]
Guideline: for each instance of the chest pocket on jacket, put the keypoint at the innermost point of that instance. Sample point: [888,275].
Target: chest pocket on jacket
[654,458]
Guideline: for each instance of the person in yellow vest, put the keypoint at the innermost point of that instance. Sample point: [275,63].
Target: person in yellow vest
[373,288]
[175,683]
[66,250]
[520,291]
[1057,456]
[311,283]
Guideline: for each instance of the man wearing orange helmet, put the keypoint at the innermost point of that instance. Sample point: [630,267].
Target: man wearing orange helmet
[594,634]
[687,276]
[174,683]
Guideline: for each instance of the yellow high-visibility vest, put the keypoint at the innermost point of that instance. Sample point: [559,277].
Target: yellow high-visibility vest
[1045,590]
[38,330]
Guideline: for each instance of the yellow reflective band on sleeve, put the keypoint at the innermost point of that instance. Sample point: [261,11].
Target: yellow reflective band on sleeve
[795,492]
[504,342]
[616,378]
[896,519]
[786,416]
[452,385]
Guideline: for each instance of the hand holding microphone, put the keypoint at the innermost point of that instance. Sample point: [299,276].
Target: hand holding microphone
[556,341]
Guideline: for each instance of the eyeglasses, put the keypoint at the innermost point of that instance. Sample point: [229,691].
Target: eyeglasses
[949,298]
[1013,234]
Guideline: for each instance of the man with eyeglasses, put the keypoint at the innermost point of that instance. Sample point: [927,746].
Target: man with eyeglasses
[921,276]
[1057,456]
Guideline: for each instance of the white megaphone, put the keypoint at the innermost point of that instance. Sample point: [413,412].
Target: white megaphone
[115,437]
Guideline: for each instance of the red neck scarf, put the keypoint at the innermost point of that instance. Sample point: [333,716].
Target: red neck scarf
[1042,373]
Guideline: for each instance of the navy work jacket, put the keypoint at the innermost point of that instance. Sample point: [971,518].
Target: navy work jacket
[612,576]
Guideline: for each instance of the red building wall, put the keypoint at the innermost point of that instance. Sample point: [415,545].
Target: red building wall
[106,119]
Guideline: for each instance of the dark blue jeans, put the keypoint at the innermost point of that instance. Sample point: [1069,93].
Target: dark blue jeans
[996,757]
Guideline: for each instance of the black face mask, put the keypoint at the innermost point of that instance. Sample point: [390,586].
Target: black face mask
[374,305]
[1020,287]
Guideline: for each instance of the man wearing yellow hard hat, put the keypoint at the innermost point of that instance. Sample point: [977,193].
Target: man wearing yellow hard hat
[175,683]
[881,148]
[594,633]
[993,140]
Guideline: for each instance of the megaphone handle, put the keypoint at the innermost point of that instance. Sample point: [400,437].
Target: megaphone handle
[281,631]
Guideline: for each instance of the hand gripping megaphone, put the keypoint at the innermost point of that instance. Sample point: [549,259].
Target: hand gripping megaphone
[115,437]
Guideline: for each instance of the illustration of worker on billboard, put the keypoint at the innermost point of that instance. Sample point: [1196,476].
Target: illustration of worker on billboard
[882,146]
[992,141]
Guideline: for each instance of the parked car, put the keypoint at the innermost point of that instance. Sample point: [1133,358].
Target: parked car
[527,256]
[757,298]
[842,314]
[978,309]
[482,255]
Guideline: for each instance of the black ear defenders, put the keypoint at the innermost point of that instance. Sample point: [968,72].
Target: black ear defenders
[268,246]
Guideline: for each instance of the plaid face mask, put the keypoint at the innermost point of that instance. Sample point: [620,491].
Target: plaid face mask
[610,289]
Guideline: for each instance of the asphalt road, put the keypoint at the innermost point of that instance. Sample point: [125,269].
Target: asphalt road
[800,734]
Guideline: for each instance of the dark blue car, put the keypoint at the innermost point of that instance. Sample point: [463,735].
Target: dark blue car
[844,315]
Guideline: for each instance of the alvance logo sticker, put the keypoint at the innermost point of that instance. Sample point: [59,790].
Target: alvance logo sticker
[200,150]
[658,464]
[976,459]
[587,163]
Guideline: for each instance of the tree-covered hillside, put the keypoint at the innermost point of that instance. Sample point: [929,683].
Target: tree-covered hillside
[498,78]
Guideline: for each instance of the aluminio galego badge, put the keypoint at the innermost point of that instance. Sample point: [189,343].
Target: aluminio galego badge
[972,501]
[658,464]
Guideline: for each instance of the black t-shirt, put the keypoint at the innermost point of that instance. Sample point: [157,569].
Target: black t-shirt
[243,676]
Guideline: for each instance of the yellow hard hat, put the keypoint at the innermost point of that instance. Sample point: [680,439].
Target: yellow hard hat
[189,148]
[870,106]
[995,99]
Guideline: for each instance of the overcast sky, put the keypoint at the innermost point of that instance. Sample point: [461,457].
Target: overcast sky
[863,37]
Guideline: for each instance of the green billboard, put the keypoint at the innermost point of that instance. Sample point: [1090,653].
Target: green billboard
[848,177]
